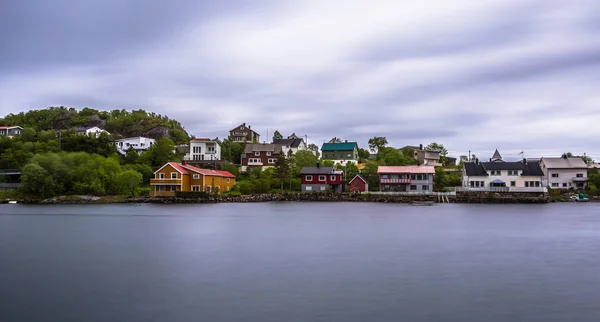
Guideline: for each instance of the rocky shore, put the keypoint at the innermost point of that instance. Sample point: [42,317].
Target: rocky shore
[489,198]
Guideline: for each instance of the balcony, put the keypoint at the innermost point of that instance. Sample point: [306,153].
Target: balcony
[165,181]
[579,179]
[255,163]
[395,181]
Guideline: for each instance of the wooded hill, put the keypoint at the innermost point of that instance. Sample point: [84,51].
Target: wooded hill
[120,123]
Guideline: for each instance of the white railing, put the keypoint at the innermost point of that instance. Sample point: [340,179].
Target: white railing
[501,189]
[395,180]
[255,163]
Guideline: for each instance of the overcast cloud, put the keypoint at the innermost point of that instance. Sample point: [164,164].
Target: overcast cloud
[513,75]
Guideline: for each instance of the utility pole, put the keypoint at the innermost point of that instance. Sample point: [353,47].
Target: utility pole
[469,155]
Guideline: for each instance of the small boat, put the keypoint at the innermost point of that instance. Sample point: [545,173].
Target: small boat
[12,201]
[580,197]
[423,203]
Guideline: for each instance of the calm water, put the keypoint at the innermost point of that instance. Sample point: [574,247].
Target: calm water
[300,262]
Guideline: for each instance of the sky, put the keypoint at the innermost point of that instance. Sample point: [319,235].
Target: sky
[512,75]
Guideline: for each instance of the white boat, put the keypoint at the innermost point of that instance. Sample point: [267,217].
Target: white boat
[12,201]
[580,197]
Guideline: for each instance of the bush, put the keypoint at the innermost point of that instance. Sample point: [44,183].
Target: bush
[246,187]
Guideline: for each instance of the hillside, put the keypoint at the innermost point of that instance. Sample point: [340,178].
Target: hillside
[120,123]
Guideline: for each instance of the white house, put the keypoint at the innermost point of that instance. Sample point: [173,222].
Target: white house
[91,131]
[564,172]
[293,143]
[498,175]
[204,149]
[139,144]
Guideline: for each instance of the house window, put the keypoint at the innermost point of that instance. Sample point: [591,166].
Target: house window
[495,172]
[309,178]
[257,153]
[195,188]
[268,153]
[323,188]
[413,187]
[161,188]
[196,176]
[332,178]
[272,161]
[513,172]
[413,177]
[162,175]
[419,177]
[208,188]
[564,184]
[527,184]
[308,188]
[554,184]
[513,183]
[538,184]
[425,187]
[228,180]
[555,175]
[173,175]
[322,178]
[385,176]
[580,175]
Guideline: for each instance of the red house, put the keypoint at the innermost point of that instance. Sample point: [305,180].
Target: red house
[319,179]
[358,184]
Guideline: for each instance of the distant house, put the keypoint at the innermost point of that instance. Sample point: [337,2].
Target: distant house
[10,131]
[173,177]
[91,131]
[320,179]
[499,175]
[340,152]
[565,172]
[260,155]
[406,178]
[243,133]
[292,144]
[201,149]
[358,184]
[450,161]
[423,156]
[138,143]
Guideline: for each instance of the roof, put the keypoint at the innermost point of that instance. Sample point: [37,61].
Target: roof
[406,169]
[245,127]
[359,177]
[412,147]
[496,156]
[346,146]
[175,165]
[208,172]
[200,139]
[564,163]
[316,170]
[259,147]
[135,138]
[294,143]
[480,169]
[9,127]
[225,174]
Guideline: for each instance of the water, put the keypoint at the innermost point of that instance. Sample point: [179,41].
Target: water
[300,262]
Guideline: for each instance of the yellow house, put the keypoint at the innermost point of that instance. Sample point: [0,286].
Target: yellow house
[175,176]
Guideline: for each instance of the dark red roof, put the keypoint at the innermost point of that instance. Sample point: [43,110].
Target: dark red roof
[225,174]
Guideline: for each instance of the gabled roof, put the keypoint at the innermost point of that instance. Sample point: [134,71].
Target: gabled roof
[346,146]
[532,169]
[473,169]
[294,143]
[406,169]
[10,127]
[564,163]
[316,170]
[209,172]
[359,177]
[246,127]
[260,147]
[496,156]
[480,169]
[175,166]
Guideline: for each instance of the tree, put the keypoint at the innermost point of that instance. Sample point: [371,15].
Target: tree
[314,148]
[305,158]
[393,157]
[36,181]
[130,180]
[370,174]
[376,143]
[441,149]
[282,169]
[28,134]
[161,152]
[131,156]
[363,154]
[328,163]
[351,170]
[232,151]
[277,135]
[231,168]
[463,159]
[585,158]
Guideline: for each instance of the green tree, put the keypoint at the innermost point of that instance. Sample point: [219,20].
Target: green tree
[328,163]
[161,152]
[231,168]
[376,143]
[370,174]
[232,151]
[315,149]
[47,136]
[393,157]
[131,156]
[363,154]
[462,160]
[28,134]
[351,171]
[245,187]
[277,135]
[36,181]
[305,158]
[282,169]
[130,180]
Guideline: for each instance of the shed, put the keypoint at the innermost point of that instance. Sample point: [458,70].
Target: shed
[358,184]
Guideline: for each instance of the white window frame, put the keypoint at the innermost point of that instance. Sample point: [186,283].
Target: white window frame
[196,176]
[425,187]
[555,184]
[413,187]
[161,175]
[309,178]
[513,183]
[308,188]
[579,175]
[228,180]
[272,161]
[555,175]
[256,153]
[322,178]
[268,153]
[332,177]
[173,173]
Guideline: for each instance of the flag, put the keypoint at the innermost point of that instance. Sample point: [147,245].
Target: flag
[521,152]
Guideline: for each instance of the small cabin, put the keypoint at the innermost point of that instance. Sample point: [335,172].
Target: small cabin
[358,184]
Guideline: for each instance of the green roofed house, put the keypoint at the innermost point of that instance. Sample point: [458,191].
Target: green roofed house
[340,152]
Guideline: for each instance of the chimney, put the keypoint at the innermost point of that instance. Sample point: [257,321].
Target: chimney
[318,165]
[420,146]
[183,162]
[524,161]
[249,127]
[243,124]
[490,159]
[345,141]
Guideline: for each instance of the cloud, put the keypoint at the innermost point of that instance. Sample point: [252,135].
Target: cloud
[512,75]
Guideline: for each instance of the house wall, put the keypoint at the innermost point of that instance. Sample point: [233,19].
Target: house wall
[565,177]
[338,179]
[340,155]
[204,154]
[362,186]
[167,170]
[414,185]
[314,187]
[243,133]
[519,180]
[262,155]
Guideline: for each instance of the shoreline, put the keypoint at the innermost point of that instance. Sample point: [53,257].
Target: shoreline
[491,198]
